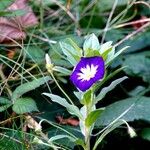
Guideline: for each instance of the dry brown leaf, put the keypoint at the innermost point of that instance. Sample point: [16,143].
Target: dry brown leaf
[13,28]
[68,121]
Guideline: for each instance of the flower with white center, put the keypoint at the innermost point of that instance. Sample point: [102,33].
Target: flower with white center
[87,72]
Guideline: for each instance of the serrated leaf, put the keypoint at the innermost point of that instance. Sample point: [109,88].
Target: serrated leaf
[24,105]
[4,107]
[72,109]
[35,54]
[130,109]
[4,100]
[107,89]
[92,117]
[91,43]
[26,87]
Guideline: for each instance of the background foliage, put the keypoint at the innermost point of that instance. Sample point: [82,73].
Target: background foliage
[23,76]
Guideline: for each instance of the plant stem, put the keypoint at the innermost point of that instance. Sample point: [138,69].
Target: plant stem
[87,138]
[61,88]
[87,128]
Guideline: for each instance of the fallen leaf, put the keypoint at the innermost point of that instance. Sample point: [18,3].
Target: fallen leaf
[68,121]
[14,27]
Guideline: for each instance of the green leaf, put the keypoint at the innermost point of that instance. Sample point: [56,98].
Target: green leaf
[75,46]
[24,105]
[93,116]
[26,87]
[112,56]
[72,131]
[130,109]
[58,137]
[4,100]
[87,97]
[5,103]
[14,13]
[105,47]
[35,54]
[107,89]
[71,53]
[72,109]
[91,43]
[109,53]
[58,99]
[138,65]
[80,142]
[62,70]
[145,134]
[139,42]
[4,107]
[137,91]
[5,3]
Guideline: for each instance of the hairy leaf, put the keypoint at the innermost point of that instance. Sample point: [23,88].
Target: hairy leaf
[91,43]
[26,87]
[138,65]
[105,90]
[129,109]
[72,109]
[24,105]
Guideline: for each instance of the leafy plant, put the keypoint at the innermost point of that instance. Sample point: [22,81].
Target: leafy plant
[85,77]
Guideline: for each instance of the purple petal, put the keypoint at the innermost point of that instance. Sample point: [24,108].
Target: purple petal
[81,76]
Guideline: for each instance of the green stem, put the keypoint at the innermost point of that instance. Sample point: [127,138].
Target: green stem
[41,15]
[87,138]
[61,88]
[87,128]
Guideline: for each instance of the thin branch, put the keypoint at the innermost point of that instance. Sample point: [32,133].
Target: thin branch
[133,22]
[108,21]
[132,34]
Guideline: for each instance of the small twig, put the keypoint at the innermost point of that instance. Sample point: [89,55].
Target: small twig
[142,2]
[108,21]
[43,39]
[10,138]
[133,22]
[65,9]
[132,34]
[5,80]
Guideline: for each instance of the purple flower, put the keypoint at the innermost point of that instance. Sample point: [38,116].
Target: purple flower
[88,71]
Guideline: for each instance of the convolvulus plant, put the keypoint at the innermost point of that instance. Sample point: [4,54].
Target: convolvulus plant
[89,74]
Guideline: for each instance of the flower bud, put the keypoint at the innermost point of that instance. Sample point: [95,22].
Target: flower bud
[49,65]
[37,140]
[131,132]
